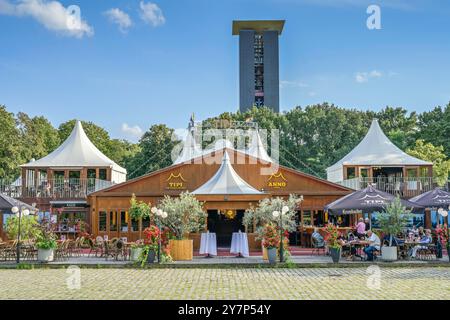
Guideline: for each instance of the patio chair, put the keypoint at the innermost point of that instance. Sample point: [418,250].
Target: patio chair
[94,247]
[427,252]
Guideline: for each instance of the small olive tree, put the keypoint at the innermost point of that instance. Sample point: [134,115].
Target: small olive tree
[185,214]
[394,219]
[263,214]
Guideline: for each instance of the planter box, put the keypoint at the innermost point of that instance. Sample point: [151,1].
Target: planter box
[135,254]
[265,254]
[389,253]
[45,255]
[182,250]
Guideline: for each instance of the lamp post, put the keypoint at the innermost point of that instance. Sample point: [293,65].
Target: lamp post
[160,215]
[19,212]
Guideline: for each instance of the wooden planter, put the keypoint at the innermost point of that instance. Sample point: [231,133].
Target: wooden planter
[181,250]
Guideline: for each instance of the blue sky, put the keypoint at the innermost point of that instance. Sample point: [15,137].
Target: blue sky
[134,63]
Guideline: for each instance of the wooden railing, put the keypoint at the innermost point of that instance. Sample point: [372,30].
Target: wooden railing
[404,187]
[53,188]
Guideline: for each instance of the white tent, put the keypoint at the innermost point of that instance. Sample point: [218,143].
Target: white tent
[257,149]
[190,150]
[79,152]
[374,150]
[226,181]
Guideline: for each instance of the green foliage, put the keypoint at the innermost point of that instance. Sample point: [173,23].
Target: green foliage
[431,153]
[10,147]
[45,238]
[28,227]
[138,209]
[155,146]
[394,219]
[262,215]
[185,214]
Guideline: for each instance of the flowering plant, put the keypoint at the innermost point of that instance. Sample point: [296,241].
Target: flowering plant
[332,236]
[271,237]
[151,236]
[443,234]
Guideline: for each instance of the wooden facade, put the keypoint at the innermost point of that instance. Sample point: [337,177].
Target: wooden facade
[109,207]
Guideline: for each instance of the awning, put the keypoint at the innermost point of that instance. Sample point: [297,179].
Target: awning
[436,198]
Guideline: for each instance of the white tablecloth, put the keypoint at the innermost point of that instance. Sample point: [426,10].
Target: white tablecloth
[239,244]
[208,243]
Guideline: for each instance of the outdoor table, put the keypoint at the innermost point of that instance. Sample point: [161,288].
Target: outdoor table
[208,244]
[358,244]
[239,244]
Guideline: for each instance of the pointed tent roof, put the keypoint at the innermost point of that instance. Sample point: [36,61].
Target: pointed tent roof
[367,200]
[436,198]
[257,149]
[377,149]
[226,181]
[190,149]
[76,151]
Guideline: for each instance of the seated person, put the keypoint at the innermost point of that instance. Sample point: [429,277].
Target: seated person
[320,242]
[361,228]
[395,241]
[347,250]
[420,233]
[374,245]
[414,231]
[426,239]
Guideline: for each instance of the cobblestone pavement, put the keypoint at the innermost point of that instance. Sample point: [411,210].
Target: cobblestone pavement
[310,283]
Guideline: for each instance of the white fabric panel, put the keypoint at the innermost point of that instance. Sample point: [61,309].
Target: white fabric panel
[76,151]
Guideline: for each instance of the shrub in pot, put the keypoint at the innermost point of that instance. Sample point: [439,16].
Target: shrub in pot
[443,237]
[393,220]
[271,241]
[136,250]
[45,243]
[331,238]
[184,215]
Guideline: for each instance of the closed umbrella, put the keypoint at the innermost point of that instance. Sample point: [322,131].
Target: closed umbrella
[367,200]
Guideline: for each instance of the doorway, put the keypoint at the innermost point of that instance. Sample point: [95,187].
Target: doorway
[223,223]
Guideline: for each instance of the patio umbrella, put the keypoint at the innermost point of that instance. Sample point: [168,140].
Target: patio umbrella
[436,198]
[367,200]
[6,203]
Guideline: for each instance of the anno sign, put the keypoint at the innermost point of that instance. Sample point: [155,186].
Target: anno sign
[277,181]
[176,182]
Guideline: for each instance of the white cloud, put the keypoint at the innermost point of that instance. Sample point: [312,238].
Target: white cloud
[292,84]
[120,18]
[51,14]
[134,132]
[152,14]
[362,77]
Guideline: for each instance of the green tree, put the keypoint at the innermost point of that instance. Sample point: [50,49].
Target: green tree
[434,154]
[39,137]
[394,219]
[156,147]
[434,127]
[11,155]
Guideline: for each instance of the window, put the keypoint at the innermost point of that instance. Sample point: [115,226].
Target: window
[145,222]
[124,221]
[319,217]
[351,173]
[102,174]
[91,173]
[102,221]
[134,225]
[417,220]
[364,172]
[412,173]
[74,174]
[307,217]
[113,221]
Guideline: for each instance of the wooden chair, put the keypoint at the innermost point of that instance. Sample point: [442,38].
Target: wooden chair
[94,247]
[427,252]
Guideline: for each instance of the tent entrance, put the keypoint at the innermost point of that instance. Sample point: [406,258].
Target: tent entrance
[224,223]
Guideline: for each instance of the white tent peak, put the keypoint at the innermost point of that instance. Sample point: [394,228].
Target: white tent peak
[257,149]
[226,181]
[376,149]
[190,149]
[77,151]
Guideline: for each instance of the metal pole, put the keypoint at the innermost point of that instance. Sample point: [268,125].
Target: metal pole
[159,242]
[282,238]
[18,239]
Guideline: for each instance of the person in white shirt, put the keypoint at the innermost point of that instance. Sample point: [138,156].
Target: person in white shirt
[374,245]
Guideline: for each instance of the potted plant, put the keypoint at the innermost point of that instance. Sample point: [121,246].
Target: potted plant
[46,244]
[184,215]
[151,241]
[263,214]
[139,210]
[136,250]
[443,235]
[271,241]
[392,221]
[331,238]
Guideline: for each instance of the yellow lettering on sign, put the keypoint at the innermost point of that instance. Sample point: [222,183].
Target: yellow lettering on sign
[277,181]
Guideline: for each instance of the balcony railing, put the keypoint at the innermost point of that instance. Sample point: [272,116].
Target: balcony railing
[404,187]
[53,188]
